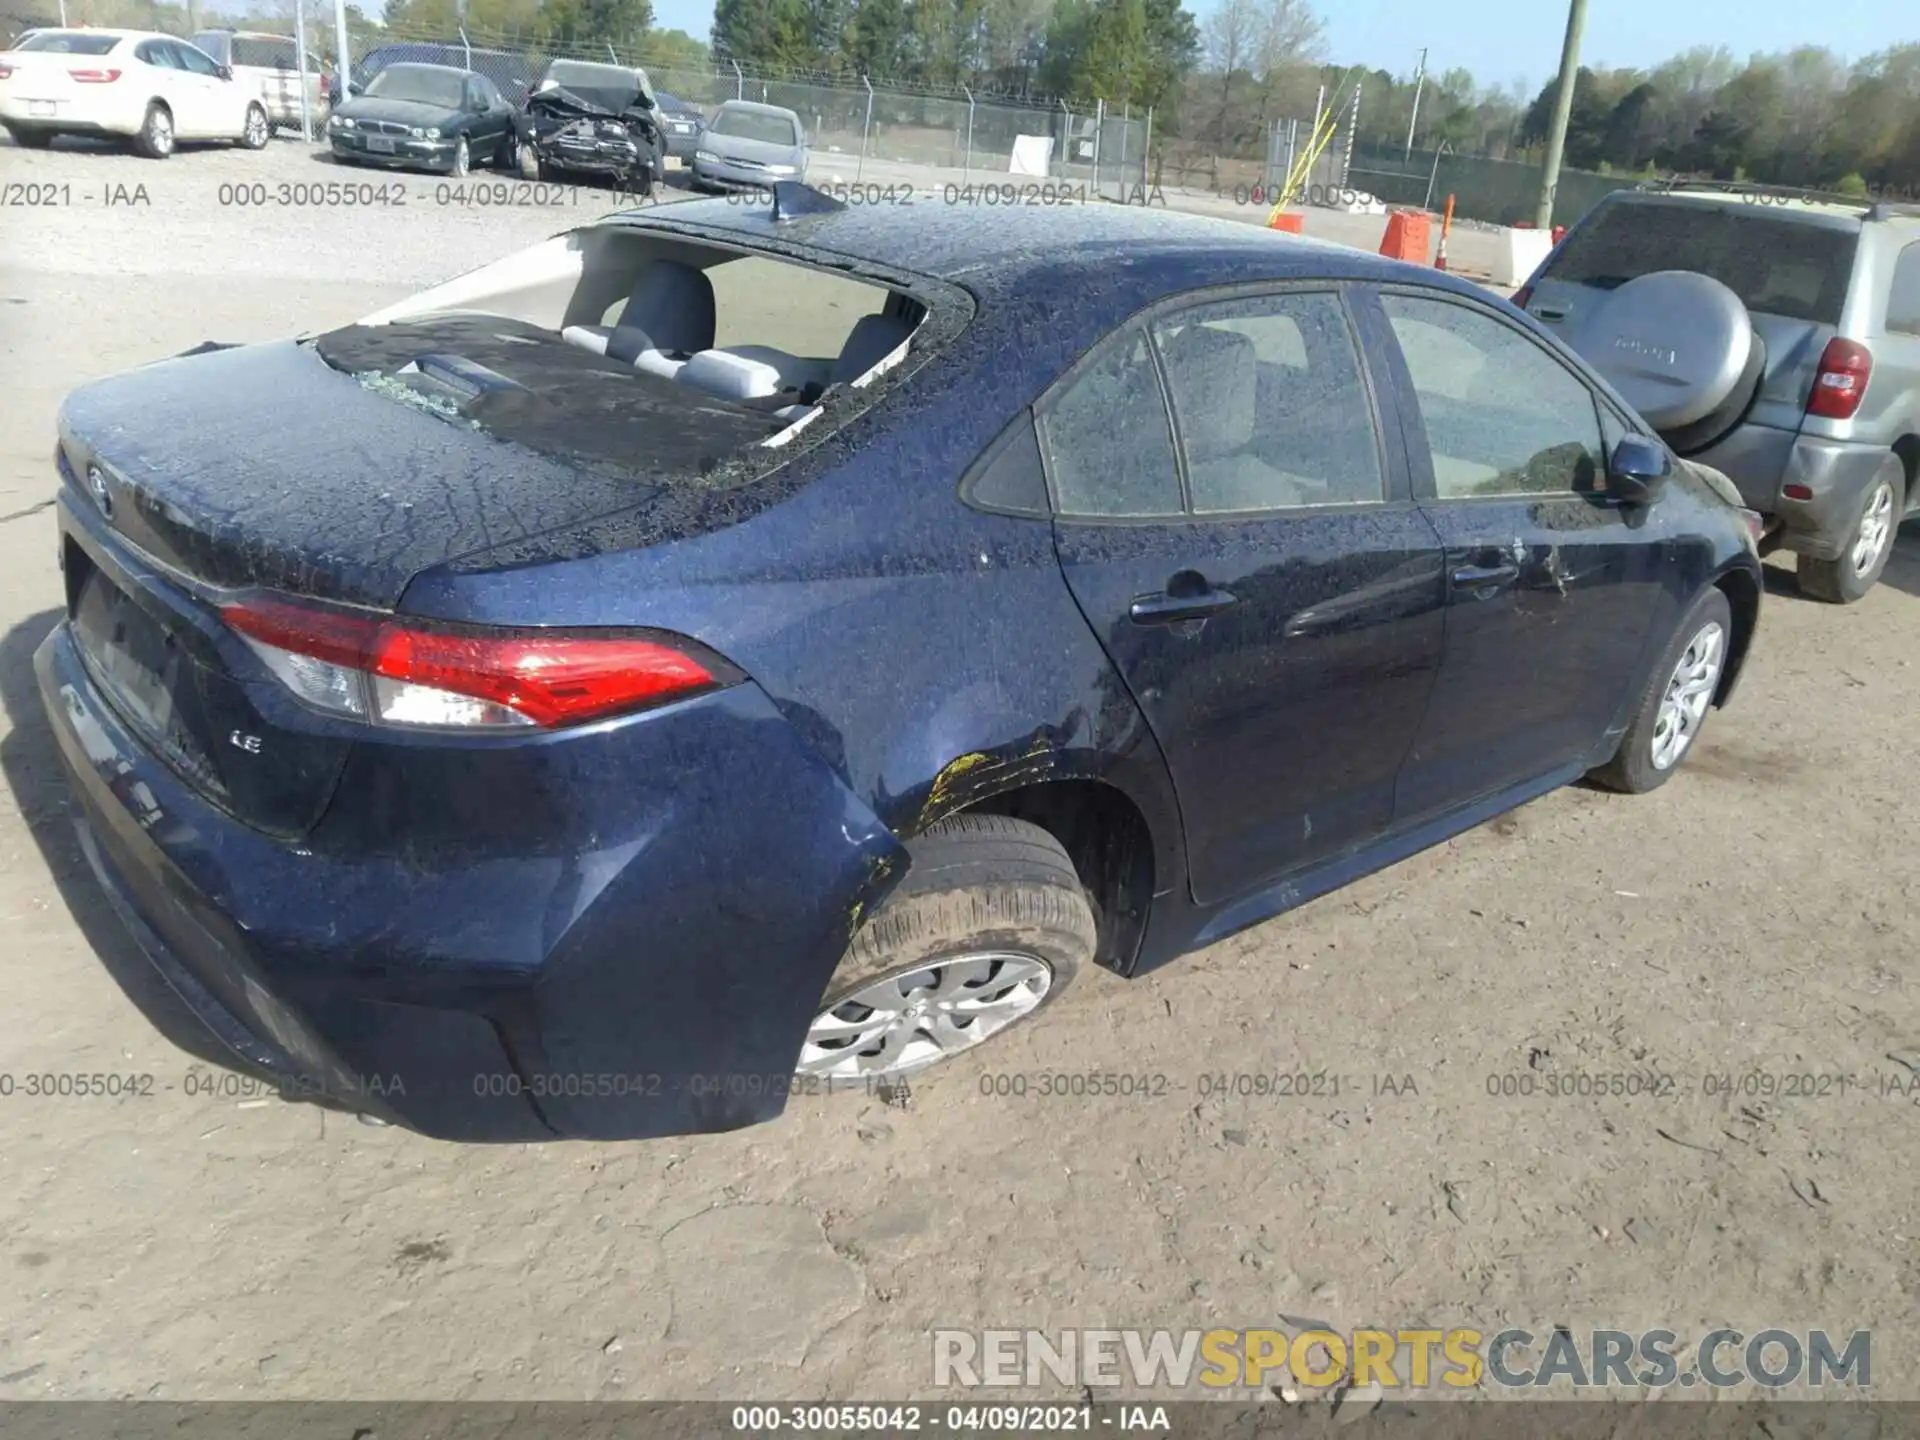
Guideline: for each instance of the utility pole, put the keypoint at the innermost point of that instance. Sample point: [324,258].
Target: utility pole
[1419,80]
[1562,112]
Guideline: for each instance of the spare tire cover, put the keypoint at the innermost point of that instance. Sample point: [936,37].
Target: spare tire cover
[1673,343]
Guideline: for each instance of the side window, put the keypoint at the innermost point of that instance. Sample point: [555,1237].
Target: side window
[489,93]
[1903,303]
[157,53]
[192,59]
[1502,416]
[1271,404]
[262,54]
[1108,447]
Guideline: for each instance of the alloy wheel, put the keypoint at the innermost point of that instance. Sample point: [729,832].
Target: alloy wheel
[902,1023]
[1876,526]
[1690,690]
[256,127]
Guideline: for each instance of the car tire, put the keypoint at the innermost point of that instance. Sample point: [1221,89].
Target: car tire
[155,137]
[462,159]
[1678,699]
[530,166]
[991,913]
[30,139]
[259,128]
[1869,542]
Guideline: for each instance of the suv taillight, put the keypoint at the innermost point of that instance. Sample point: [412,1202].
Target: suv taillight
[1841,382]
[95,77]
[389,671]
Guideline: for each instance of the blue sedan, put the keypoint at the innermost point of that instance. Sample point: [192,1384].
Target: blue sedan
[609,719]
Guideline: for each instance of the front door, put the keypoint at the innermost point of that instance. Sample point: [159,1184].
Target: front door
[1555,590]
[1243,539]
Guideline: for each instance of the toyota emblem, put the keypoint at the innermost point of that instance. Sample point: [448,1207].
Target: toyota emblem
[97,483]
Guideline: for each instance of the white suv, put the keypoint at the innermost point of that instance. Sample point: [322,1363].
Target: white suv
[150,88]
[269,65]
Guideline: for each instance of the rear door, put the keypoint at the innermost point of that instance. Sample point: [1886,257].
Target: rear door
[1554,590]
[1236,523]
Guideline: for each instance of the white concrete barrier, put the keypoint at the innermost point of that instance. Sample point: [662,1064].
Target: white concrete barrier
[1519,255]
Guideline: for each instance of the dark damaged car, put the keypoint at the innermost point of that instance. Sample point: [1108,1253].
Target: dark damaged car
[631,726]
[587,119]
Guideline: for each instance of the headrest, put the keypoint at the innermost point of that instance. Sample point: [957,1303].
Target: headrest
[1215,379]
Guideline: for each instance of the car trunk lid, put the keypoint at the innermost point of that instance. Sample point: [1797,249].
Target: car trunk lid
[266,468]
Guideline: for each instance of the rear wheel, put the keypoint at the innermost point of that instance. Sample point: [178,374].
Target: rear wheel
[155,138]
[1675,706]
[462,158]
[990,925]
[1857,570]
[258,130]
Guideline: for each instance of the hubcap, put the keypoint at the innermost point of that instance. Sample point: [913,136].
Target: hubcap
[1875,526]
[162,131]
[1689,693]
[901,1024]
[256,128]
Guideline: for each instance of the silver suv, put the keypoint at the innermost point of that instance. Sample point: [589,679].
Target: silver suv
[1771,334]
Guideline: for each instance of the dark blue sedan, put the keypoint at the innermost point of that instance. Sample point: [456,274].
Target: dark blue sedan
[739,649]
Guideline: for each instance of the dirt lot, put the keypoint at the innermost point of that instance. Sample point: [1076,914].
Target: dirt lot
[1760,915]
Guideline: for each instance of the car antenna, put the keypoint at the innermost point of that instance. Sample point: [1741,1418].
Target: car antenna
[793,198]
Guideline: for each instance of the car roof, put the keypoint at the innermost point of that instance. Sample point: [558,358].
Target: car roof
[97,30]
[1151,251]
[755,107]
[426,65]
[1749,200]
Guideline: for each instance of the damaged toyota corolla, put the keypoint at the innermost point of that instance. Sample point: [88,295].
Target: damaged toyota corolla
[586,118]
[727,652]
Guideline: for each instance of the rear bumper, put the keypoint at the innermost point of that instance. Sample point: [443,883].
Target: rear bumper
[503,943]
[1764,462]
[18,113]
[1839,475]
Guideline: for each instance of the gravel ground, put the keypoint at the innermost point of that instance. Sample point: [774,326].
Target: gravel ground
[1759,915]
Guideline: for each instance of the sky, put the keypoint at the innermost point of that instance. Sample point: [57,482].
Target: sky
[1505,40]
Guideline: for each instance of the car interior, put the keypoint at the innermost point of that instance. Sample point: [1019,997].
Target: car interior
[605,331]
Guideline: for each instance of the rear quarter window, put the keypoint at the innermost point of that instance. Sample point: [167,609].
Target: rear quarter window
[1776,264]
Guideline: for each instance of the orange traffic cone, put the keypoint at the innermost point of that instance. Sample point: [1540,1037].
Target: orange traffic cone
[1446,228]
[1286,220]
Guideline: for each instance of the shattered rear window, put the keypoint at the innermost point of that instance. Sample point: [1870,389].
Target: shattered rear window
[520,382]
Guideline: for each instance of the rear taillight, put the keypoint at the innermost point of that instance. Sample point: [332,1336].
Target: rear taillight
[6,72]
[389,671]
[1841,382]
[1522,296]
[95,77]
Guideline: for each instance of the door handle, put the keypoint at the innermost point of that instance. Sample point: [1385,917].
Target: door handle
[1485,578]
[1170,609]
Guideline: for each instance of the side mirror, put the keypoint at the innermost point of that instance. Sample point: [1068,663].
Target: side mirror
[1636,468]
[225,71]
